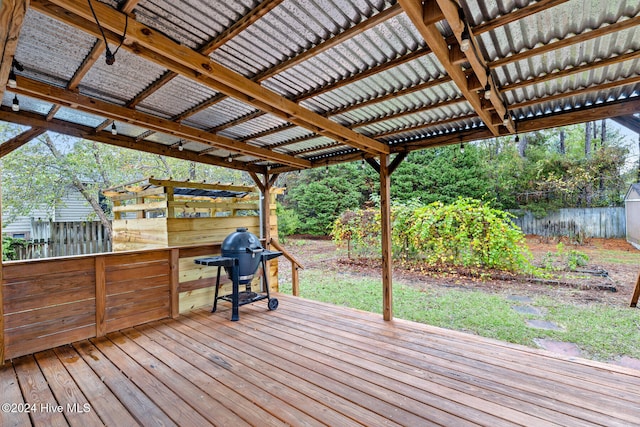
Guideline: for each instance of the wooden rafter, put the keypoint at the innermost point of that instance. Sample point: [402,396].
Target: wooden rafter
[236,28]
[630,122]
[87,132]
[473,56]
[516,15]
[115,112]
[89,61]
[19,140]
[487,26]
[152,45]
[12,13]
[437,43]
[573,70]
[568,41]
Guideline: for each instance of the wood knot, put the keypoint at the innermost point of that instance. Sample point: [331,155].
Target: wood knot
[206,67]
[146,31]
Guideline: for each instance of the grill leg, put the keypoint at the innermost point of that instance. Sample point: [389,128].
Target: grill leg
[235,298]
[215,298]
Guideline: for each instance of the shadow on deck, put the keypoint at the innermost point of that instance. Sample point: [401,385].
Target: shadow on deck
[309,363]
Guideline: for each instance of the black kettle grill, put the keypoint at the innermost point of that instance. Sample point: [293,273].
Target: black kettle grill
[242,254]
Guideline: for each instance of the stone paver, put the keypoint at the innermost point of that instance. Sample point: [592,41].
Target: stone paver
[543,324]
[560,347]
[526,309]
[519,298]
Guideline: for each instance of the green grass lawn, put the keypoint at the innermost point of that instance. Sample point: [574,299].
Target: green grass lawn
[602,333]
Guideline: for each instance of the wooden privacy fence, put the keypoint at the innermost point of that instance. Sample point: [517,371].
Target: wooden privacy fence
[52,302]
[55,239]
[579,223]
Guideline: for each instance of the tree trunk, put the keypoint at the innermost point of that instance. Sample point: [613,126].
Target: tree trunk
[192,171]
[93,201]
[587,139]
[603,132]
[638,158]
[563,148]
[522,146]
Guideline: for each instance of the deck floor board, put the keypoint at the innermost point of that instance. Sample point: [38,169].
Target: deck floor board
[311,364]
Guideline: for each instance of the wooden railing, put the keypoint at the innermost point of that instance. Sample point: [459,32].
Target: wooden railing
[56,301]
[295,266]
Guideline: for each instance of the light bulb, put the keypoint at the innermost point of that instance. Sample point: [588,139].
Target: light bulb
[12,82]
[180,146]
[16,104]
[114,130]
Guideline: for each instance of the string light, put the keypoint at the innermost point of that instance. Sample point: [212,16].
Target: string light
[180,146]
[16,104]
[487,87]
[505,120]
[110,57]
[465,39]
[461,148]
[12,83]
[229,158]
[114,129]
[517,138]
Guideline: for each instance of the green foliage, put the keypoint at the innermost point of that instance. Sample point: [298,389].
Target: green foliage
[319,196]
[288,222]
[10,246]
[464,233]
[440,174]
[360,229]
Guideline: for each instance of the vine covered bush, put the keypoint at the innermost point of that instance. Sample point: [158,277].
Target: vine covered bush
[466,233]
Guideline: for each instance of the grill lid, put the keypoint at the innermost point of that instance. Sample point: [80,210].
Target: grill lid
[241,241]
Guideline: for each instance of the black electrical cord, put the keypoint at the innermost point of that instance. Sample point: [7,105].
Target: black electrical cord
[110,57]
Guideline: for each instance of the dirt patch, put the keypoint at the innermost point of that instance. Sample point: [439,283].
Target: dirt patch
[615,259]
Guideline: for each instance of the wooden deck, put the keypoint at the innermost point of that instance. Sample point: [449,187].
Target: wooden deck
[309,363]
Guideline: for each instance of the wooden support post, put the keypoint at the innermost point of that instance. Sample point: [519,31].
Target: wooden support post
[385,211]
[174,265]
[636,293]
[295,280]
[171,211]
[101,297]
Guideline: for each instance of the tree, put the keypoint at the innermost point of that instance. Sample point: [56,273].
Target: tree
[40,172]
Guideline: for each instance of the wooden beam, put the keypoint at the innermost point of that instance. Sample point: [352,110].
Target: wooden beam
[363,26]
[202,68]
[12,14]
[96,51]
[474,57]
[408,112]
[174,282]
[437,43]
[26,118]
[373,163]
[587,35]
[19,140]
[594,88]
[573,70]
[516,15]
[385,231]
[422,86]
[396,161]
[240,25]
[432,12]
[630,122]
[115,112]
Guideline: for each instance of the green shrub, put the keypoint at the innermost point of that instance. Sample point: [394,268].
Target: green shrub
[288,222]
[9,247]
[465,233]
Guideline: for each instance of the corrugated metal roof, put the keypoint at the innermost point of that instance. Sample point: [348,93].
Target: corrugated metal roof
[52,52]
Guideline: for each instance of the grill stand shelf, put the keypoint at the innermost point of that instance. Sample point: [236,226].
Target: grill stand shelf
[231,264]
